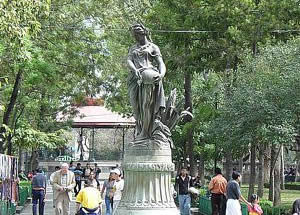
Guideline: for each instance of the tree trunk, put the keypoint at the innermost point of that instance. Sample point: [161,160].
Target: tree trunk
[201,170]
[241,164]
[228,166]
[260,190]
[277,182]
[298,157]
[10,136]
[189,104]
[298,169]
[9,144]
[275,191]
[282,168]
[10,107]
[21,160]
[271,182]
[34,163]
[267,163]
[252,170]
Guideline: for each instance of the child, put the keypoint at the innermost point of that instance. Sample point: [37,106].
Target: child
[254,209]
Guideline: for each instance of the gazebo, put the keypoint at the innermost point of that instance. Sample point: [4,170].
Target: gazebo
[99,117]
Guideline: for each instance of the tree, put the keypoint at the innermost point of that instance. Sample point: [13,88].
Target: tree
[28,138]
[19,20]
[262,106]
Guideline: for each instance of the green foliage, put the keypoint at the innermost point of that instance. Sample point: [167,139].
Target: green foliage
[20,20]
[265,203]
[288,186]
[28,138]
[63,59]
[278,210]
[264,104]
[25,183]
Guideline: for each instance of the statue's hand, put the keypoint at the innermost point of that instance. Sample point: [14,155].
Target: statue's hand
[137,74]
[158,79]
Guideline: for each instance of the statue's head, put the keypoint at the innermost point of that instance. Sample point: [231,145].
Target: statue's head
[140,32]
[139,29]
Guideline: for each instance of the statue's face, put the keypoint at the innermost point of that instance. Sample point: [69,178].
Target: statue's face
[138,36]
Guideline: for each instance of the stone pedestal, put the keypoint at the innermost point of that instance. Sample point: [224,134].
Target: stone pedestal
[147,169]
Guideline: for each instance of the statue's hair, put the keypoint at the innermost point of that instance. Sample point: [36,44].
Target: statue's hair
[140,28]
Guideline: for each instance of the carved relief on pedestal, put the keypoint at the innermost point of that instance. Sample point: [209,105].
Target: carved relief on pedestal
[148,190]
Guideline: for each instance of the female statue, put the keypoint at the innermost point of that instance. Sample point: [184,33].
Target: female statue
[145,82]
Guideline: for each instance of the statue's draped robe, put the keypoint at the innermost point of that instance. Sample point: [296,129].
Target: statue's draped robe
[147,100]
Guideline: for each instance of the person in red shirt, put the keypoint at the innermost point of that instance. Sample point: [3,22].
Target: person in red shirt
[217,187]
[254,208]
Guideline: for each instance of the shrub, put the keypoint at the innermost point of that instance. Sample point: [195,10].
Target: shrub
[278,210]
[24,183]
[265,203]
[288,186]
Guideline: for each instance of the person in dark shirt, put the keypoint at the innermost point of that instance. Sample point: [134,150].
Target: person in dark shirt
[97,170]
[234,196]
[38,192]
[78,178]
[182,184]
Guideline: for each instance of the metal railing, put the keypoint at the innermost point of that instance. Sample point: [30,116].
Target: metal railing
[204,206]
[8,208]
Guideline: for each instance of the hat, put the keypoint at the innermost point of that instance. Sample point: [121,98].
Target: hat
[117,171]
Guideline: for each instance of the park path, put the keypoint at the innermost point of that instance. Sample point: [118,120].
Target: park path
[49,210]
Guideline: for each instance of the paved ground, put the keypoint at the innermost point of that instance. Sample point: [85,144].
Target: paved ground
[49,210]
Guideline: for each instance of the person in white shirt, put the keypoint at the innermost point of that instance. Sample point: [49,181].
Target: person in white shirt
[64,183]
[117,188]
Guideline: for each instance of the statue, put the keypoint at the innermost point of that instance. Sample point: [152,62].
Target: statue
[146,91]
[145,82]
[147,161]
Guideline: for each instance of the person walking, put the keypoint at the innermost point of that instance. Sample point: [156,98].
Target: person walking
[86,171]
[88,200]
[217,187]
[107,187]
[95,181]
[97,171]
[39,183]
[234,196]
[182,184]
[64,183]
[71,166]
[78,178]
[51,182]
[117,188]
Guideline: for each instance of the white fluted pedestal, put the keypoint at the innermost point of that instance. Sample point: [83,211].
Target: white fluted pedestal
[147,190]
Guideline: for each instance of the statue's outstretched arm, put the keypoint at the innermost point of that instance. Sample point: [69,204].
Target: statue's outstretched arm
[161,66]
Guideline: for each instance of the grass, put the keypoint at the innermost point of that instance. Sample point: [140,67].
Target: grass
[287,196]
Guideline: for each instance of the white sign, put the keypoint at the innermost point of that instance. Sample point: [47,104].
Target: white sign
[65,158]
